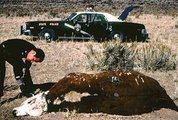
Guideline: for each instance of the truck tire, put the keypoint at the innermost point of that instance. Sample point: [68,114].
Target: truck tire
[48,35]
[118,35]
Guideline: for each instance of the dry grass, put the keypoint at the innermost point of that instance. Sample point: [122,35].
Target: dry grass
[56,7]
[145,56]
[64,57]
[160,27]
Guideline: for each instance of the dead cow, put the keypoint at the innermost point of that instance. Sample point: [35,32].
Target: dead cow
[123,92]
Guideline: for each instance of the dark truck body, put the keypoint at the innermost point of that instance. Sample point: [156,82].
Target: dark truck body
[86,25]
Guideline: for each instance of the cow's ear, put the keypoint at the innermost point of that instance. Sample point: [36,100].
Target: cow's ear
[43,95]
[46,92]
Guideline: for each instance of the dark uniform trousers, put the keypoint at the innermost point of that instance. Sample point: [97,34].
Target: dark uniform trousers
[2,70]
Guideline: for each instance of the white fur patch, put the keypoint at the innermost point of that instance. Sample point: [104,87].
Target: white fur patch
[73,96]
[33,106]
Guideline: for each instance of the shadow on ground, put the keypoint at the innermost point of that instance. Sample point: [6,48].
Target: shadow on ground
[41,87]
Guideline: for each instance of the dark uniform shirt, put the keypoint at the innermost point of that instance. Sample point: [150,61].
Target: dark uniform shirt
[14,52]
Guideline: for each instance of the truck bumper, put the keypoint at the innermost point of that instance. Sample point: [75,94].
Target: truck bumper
[24,31]
[144,34]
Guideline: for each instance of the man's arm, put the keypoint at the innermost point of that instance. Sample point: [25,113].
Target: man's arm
[21,71]
[23,77]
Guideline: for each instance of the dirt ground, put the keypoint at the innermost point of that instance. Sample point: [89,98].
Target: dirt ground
[60,60]
[64,57]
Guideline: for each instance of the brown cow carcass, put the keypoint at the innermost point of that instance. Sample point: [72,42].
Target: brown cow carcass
[124,92]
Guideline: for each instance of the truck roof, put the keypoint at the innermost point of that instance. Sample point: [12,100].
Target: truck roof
[108,16]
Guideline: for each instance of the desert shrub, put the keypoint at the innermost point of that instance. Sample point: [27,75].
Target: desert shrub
[155,56]
[116,56]
[113,56]
[147,56]
[36,7]
[94,57]
[176,25]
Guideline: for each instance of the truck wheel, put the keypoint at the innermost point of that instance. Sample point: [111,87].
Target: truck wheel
[48,35]
[144,39]
[119,36]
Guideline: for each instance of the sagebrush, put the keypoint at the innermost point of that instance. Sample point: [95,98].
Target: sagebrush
[148,56]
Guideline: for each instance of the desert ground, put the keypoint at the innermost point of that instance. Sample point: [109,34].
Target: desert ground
[66,56]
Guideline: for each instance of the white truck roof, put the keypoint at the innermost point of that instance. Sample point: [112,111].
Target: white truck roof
[108,16]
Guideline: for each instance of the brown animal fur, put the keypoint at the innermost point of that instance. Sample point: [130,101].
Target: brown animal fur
[123,92]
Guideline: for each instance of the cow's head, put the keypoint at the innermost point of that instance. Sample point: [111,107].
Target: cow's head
[33,106]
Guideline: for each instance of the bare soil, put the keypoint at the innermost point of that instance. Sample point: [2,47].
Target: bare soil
[64,57]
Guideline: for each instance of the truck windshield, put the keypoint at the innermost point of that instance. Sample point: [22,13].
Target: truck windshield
[71,16]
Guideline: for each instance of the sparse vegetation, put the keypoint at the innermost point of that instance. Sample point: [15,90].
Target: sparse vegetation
[64,57]
[69,114]
[150,56]
[176,25]
[56,7]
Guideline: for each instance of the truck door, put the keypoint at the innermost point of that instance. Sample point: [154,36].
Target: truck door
[99,26]
[81,25]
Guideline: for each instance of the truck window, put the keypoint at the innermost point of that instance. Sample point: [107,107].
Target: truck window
[81,18]
[99,18]
[91,17]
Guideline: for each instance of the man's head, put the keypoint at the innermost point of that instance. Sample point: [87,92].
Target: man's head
[35,55]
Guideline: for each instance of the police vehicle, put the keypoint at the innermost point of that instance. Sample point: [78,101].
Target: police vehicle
[88,25]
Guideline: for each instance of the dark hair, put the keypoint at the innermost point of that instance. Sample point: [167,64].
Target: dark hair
[40,54]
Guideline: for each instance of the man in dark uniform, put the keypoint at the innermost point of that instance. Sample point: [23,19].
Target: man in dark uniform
[20,54]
